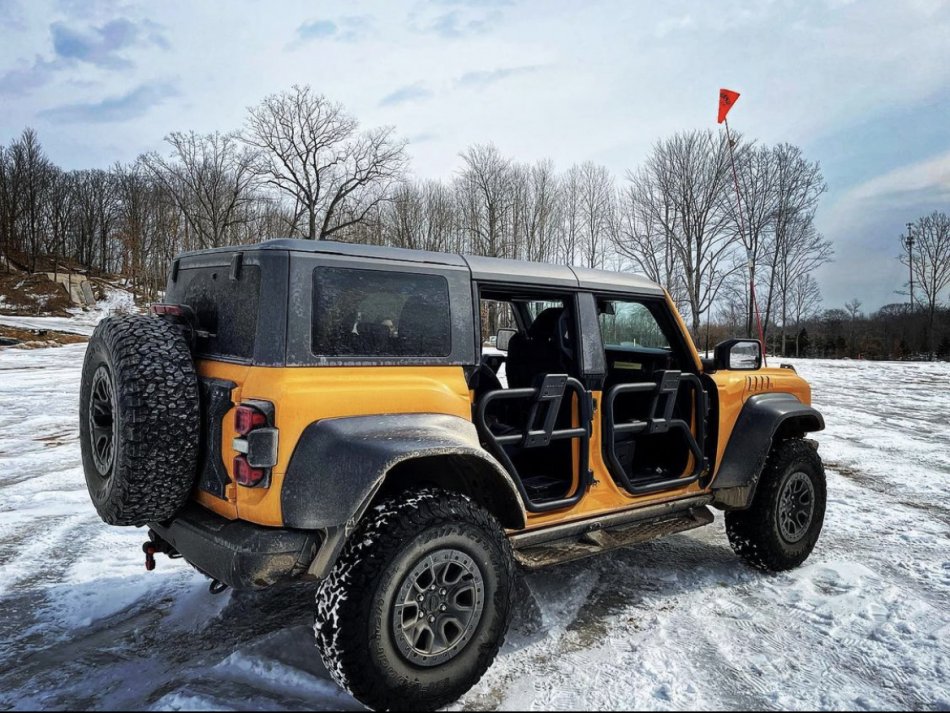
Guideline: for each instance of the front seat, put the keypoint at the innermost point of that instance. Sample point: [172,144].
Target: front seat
[537,352]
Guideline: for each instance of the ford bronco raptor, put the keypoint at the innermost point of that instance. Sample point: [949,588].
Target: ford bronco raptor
[326,411]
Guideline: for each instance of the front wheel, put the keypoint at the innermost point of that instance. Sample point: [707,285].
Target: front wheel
[781,527]
[418,603]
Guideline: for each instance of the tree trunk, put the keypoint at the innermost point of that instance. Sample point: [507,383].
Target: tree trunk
[930,331]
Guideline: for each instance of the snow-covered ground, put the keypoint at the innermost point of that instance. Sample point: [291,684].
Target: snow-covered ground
[674,624]
[80,321]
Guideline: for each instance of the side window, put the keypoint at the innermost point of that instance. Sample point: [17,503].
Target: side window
[495,315]
[378,313]
[536,307]
[630,324]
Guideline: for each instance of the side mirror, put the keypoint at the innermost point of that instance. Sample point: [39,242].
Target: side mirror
[503,337]
[739,355]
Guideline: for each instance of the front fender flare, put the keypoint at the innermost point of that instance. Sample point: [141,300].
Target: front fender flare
[339,464]
[763,418]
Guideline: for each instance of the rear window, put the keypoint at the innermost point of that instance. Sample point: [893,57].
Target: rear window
[225,308]
[377,313]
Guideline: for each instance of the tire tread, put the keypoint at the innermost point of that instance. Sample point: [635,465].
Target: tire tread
[158,407]
[344,596]
[753,533]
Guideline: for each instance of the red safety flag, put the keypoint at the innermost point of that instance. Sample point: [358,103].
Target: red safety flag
[727,98]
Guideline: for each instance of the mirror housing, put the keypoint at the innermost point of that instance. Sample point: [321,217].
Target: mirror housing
[502,338]
[739,355]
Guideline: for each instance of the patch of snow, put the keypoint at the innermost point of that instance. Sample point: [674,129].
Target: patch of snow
[673,624]
[81,321]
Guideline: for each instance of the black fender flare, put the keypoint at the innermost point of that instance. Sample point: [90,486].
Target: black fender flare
[763,419]
[339,464]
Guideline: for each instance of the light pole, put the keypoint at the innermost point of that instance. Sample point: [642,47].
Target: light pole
[908,242]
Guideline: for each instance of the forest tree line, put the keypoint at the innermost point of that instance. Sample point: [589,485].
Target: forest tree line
[302,166]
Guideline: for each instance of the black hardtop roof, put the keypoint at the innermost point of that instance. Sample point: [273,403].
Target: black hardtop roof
[486,269]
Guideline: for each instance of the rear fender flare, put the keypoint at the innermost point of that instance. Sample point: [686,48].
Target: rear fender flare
[764,419]
[340,464]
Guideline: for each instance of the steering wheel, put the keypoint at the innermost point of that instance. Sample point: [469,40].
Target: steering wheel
[564,342]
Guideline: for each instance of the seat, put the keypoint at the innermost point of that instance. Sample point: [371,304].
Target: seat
[423,328]
[373,338]
[536,353]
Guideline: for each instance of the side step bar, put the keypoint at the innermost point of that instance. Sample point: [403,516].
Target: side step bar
[572,541]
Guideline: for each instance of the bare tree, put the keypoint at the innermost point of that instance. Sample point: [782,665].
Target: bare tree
[800,253]
[804,299]
[536,211]
[441,232]
[9,201]
[310,149]
[596,207]
[571,215]
[931,264]
[210,179]
[798,184]
[405,216]
[484,192]
[58,211]
[690,171]
[96,205]
[757,176]
[853,309]
[35,176]
[645,215]
[138,208]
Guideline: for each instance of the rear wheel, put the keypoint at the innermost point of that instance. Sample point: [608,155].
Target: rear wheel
[418,603]
[781,527]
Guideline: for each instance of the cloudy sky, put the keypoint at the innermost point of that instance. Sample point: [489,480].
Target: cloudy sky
[862,86]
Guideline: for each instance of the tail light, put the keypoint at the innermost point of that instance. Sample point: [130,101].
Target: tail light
[256,443]
[245,474]
[167,309]
[247,418]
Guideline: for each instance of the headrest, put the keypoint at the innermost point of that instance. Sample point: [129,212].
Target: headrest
[544,325]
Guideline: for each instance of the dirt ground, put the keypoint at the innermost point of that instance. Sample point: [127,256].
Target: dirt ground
[38,338]
[23,293]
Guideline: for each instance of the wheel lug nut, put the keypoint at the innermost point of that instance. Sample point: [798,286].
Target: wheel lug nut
[420,598]
[442,592]
[432,620]
[442,608]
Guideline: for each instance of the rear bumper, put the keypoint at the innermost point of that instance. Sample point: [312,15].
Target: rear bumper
[238,553]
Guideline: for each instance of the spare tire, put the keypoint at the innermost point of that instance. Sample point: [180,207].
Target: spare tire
[139,419]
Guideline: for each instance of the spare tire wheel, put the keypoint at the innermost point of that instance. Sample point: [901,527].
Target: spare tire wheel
[139,419]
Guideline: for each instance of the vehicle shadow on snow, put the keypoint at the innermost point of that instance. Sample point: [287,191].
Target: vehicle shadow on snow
[578,598]
[177,646]
[174,645]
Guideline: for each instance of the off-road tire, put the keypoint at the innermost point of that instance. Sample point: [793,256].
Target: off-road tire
[355,603]
[755,534]
[156,415]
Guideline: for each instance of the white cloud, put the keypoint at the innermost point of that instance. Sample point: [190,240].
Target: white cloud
[614,76]
[928,180]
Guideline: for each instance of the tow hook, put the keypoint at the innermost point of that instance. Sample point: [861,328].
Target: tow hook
[155,545]
[149,549]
